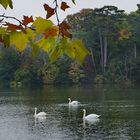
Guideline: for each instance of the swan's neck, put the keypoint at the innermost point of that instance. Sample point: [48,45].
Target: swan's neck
[69,100]
[84,114]
[35,112]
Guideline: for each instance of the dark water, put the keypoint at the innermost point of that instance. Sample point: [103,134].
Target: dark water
[119,108]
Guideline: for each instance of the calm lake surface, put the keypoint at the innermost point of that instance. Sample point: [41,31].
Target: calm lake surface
[119,108]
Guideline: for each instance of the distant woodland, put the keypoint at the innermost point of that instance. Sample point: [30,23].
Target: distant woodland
[112,37]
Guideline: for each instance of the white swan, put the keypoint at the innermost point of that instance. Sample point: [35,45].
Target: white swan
[40,114]
[73,102]
[90,116]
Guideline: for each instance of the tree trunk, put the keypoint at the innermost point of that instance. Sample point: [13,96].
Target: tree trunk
[135,51]
[102,54]
[93,60]
[105,53]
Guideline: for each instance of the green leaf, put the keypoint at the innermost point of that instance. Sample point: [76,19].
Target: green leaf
[34,48]
[2,30]
[55,54]
[42,24]
[46,44]
[19,39]
[30,33]
[59,49]
[6,3]
[70,50]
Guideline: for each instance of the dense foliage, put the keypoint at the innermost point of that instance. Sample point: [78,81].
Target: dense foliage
[111,35]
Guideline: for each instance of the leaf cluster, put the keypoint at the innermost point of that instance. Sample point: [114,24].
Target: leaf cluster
[41,33]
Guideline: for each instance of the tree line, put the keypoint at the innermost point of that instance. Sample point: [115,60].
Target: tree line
[110,35]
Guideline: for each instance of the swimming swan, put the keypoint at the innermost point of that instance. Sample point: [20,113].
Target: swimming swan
[40,114]
[73,102]
[90,116]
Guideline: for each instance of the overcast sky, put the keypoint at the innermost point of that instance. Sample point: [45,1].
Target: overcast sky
[35,7]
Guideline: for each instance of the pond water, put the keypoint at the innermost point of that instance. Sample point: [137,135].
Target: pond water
[119,108]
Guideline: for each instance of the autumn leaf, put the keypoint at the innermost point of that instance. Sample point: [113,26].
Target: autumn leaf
[6,3]
[80,51]
[55,53]
[46,44]
[76,49]
[64,6]
[26,20]
[64,27]
[66,33]
[51,32]
[19,39]
[44,24]
[2,30]
[70,51]
[34,48]
[59,49]
[30,33]
[50,11]
[12,27]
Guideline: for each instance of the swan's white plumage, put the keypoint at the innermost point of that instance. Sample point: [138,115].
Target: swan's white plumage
[40,114]
[90,116]
[73,102]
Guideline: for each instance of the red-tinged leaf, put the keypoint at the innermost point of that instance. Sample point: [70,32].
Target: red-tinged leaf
[12,27]
[50,11]
[64,25]
[66,33]
[51,32]
[64,6]
[54,31]
[26,20]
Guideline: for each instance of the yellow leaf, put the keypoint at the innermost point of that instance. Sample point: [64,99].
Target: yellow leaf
[59,49]
[19,39]
[55,53]
[34,48]
[70,50]
[46,44]
[6,3]
[80,51]
[30,33]
[2,30]
[42,24]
